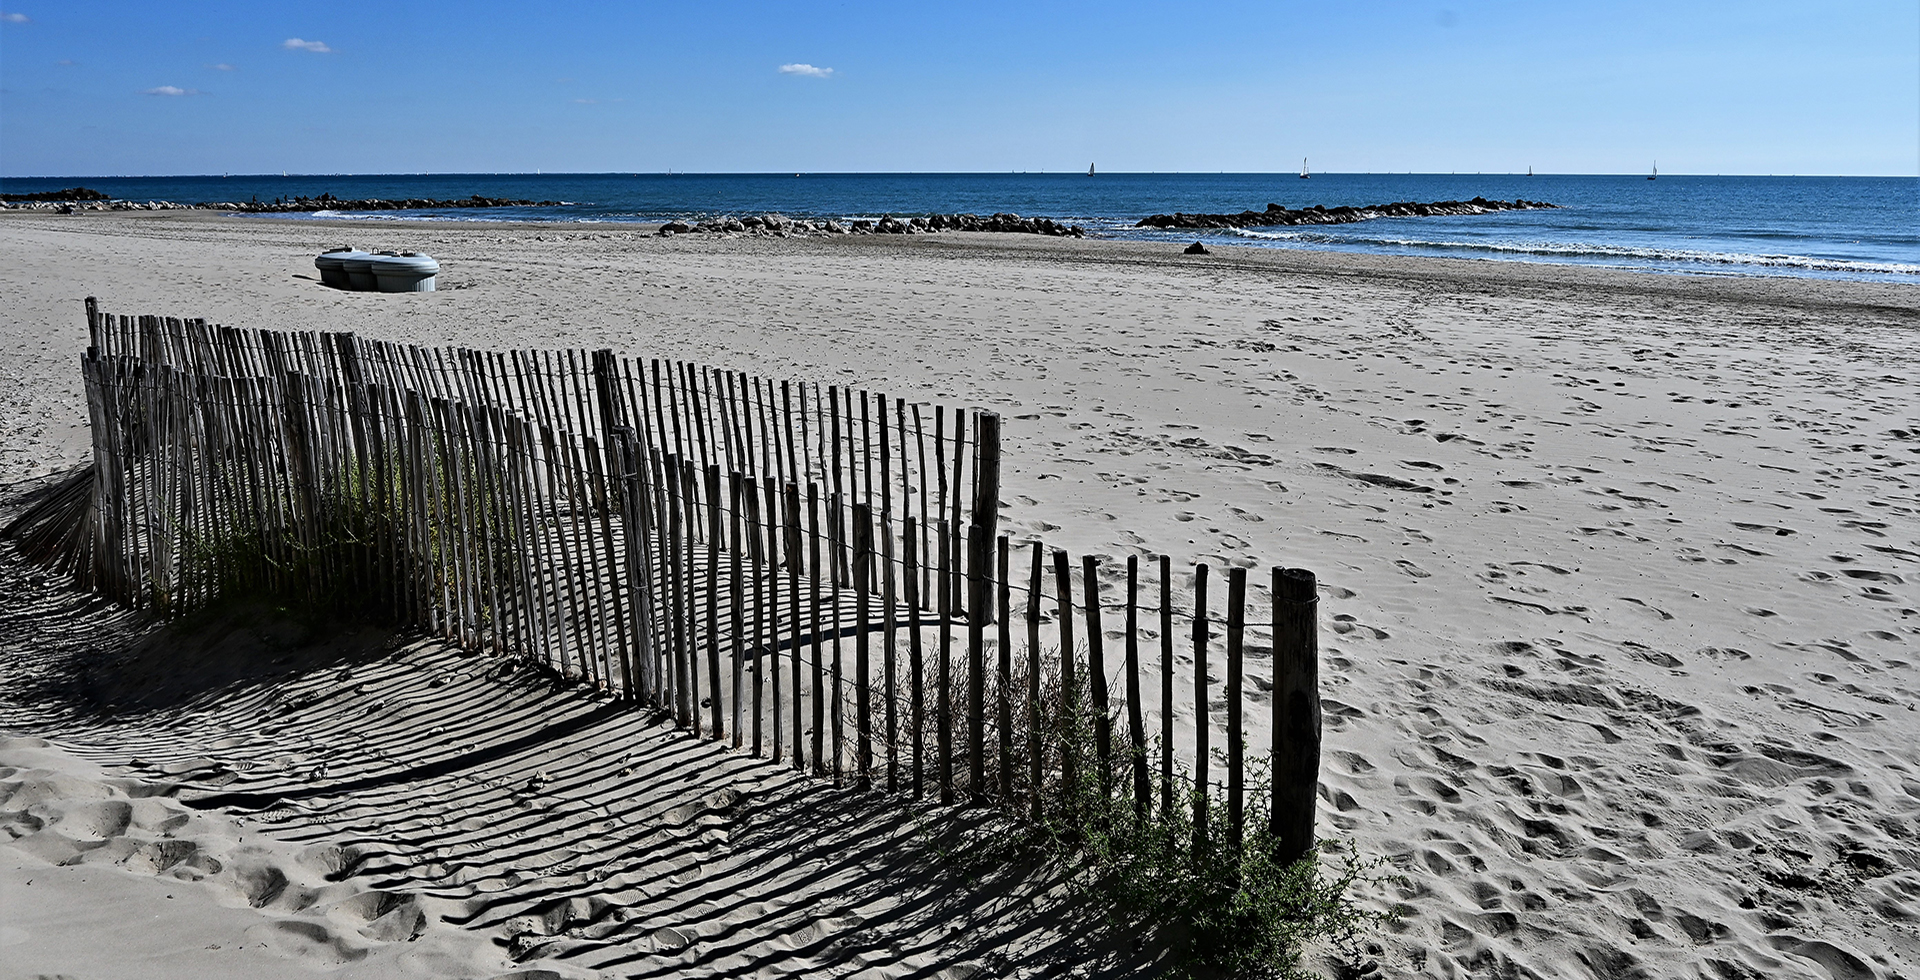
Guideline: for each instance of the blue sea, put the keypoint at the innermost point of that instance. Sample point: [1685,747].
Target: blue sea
[1863,228]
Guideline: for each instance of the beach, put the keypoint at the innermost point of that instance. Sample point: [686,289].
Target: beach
[1617,596]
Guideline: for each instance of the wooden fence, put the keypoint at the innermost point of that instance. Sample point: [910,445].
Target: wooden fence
[813,574]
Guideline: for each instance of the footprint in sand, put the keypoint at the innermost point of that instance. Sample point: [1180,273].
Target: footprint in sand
[1411,569]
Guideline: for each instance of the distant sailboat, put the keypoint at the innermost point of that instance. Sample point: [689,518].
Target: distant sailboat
[1303,169]
[1529,171]
[1656,173]
[1089,169]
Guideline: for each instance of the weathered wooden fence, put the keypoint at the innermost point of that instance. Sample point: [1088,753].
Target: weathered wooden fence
[813,574]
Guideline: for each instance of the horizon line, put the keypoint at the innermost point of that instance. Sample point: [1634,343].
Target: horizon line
[1072,172]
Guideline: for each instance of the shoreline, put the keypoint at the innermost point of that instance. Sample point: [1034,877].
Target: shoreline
[1893,298]
[1619,666]
[1729,270]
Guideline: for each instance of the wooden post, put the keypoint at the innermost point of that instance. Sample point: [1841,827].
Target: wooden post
[713,609]
[910,576]
[1002,702]
[757,563]
[863,672]
[1296,704]
[819,687]
[1166,687]
[676,567]
[837,550]
[1069,696]
[738,608]
[985,518]
[944,711]
[1136,725]
[1201,724]
[1036,748]
[980,584]
[795,559]
[1236,745]
[890,606]
[768,575]
[1097,678]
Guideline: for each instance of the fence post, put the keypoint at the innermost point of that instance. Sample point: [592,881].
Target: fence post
[1201,724]
[984,521]
[1097,682]
[1236,749]
[1036,754]
[1136,724]
[1069,767]
[916,676]
[979,610]
[1002,705]
[862,646]
[1296,705]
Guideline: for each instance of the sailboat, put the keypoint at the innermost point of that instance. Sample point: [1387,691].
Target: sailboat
[1656,173]
[1529,171]
[1303,169]
[1089,169]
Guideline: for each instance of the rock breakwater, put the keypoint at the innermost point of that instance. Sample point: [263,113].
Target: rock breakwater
[1277,215]
[83,199]
[782,226]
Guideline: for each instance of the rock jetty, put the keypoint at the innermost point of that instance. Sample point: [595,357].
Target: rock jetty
[83,199]
[1276,215]
[782,226]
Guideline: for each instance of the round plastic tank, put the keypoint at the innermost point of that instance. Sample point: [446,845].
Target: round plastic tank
[405,272]
[359,269]
[332,266]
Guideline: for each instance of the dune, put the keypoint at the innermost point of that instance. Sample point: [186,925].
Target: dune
[1617,588]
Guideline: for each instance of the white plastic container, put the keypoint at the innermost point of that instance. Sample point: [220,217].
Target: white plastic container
[359,269]
[333,266]
[404,272]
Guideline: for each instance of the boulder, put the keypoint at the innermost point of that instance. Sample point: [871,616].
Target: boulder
[1197,249]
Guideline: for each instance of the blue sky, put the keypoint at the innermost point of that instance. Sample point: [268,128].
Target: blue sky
[90,87]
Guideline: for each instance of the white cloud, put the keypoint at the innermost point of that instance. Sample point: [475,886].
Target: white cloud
[223,66]
[586,101]
[807,70]
[295,44]
[170,90]
[13,18]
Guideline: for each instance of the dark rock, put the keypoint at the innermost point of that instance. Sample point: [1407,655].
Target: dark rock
[1320,214]
[1197,249]
[675,228]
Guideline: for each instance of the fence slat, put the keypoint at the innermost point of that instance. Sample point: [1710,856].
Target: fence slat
[1136,724]
[1236,746]
[1202,725]
[1097,679]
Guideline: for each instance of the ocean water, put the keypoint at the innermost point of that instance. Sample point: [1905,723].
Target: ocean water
[1864,228]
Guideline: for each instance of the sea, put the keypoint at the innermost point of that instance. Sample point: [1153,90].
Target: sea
[1859,228]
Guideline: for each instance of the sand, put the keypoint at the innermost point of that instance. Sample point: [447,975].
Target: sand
[1619,607]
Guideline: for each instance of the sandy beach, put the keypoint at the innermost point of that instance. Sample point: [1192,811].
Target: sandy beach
[1618,581]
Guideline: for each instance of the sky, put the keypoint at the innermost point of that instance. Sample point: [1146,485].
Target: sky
[116,87]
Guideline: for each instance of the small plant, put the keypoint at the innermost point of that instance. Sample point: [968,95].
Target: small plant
[1218,909]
